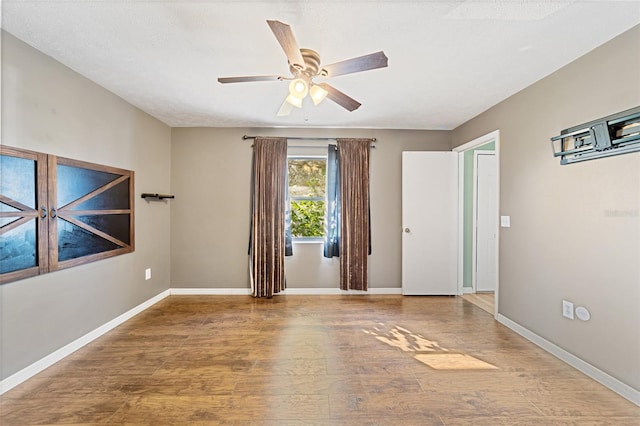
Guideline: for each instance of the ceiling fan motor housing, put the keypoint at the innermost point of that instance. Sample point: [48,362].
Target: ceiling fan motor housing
[311,64]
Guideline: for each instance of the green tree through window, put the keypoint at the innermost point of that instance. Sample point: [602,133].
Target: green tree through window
[307,180]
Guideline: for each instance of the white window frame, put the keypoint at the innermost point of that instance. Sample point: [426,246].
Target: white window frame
[291,199]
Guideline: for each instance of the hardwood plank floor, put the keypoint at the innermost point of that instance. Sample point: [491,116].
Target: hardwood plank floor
[484,301]
[318,360]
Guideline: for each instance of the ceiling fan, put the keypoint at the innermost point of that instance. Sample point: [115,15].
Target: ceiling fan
[304,65]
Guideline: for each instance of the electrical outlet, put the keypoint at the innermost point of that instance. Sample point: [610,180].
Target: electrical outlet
[583,313]
[147,274]
[567,309]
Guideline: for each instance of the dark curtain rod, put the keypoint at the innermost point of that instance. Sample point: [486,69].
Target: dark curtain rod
[245,137]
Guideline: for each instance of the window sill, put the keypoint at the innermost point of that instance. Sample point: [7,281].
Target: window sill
[308,241]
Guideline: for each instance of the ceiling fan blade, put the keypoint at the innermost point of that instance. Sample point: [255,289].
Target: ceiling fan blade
[246,79]
[285,109]
[288,42]
[340,98]
[361,63]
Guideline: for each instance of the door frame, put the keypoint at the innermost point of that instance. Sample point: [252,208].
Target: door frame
[489,137]
[474,238]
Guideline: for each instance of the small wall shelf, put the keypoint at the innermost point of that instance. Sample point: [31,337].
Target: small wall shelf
[153,197]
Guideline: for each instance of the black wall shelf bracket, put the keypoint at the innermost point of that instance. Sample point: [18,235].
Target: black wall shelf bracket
[147,195]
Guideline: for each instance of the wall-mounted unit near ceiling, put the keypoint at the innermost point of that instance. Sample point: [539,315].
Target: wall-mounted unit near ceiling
[612,135]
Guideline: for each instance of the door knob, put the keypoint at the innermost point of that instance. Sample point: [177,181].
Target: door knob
[407,230]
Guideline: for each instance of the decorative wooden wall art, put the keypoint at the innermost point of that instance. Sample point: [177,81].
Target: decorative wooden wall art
[57,213]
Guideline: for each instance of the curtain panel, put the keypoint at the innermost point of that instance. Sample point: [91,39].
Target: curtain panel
[268,198]
[332,220]
[354,155]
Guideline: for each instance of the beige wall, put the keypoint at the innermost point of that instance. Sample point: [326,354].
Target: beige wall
[49,108]
[564,241]
[210,217]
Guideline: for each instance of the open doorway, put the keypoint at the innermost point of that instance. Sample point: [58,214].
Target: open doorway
[478,221]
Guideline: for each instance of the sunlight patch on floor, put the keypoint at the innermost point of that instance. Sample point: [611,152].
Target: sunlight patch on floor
[427,351]
[404,339]
[454,362]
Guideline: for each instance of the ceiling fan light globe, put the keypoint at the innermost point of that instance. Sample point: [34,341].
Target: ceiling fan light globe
[317,94]
[294,100]
[298,88]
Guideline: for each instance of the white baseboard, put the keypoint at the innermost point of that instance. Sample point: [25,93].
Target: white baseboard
[210,291]
[595,373]
[337,291]
[33,369]
[467,290]
[289,291]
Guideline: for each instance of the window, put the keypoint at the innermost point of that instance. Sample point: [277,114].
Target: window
[57,213]
[307,181]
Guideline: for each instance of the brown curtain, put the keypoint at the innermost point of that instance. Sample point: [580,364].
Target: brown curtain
[267,239]
[354,224]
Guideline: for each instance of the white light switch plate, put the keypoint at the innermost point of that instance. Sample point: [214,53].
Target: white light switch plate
[147,274]
[505,221]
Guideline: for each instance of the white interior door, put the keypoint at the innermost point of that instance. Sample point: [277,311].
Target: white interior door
[486,221]
[430,223]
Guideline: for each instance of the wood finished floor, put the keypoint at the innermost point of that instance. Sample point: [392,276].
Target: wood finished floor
[319,360]
[484,301]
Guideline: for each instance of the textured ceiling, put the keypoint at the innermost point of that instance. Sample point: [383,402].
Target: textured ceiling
[448,60]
